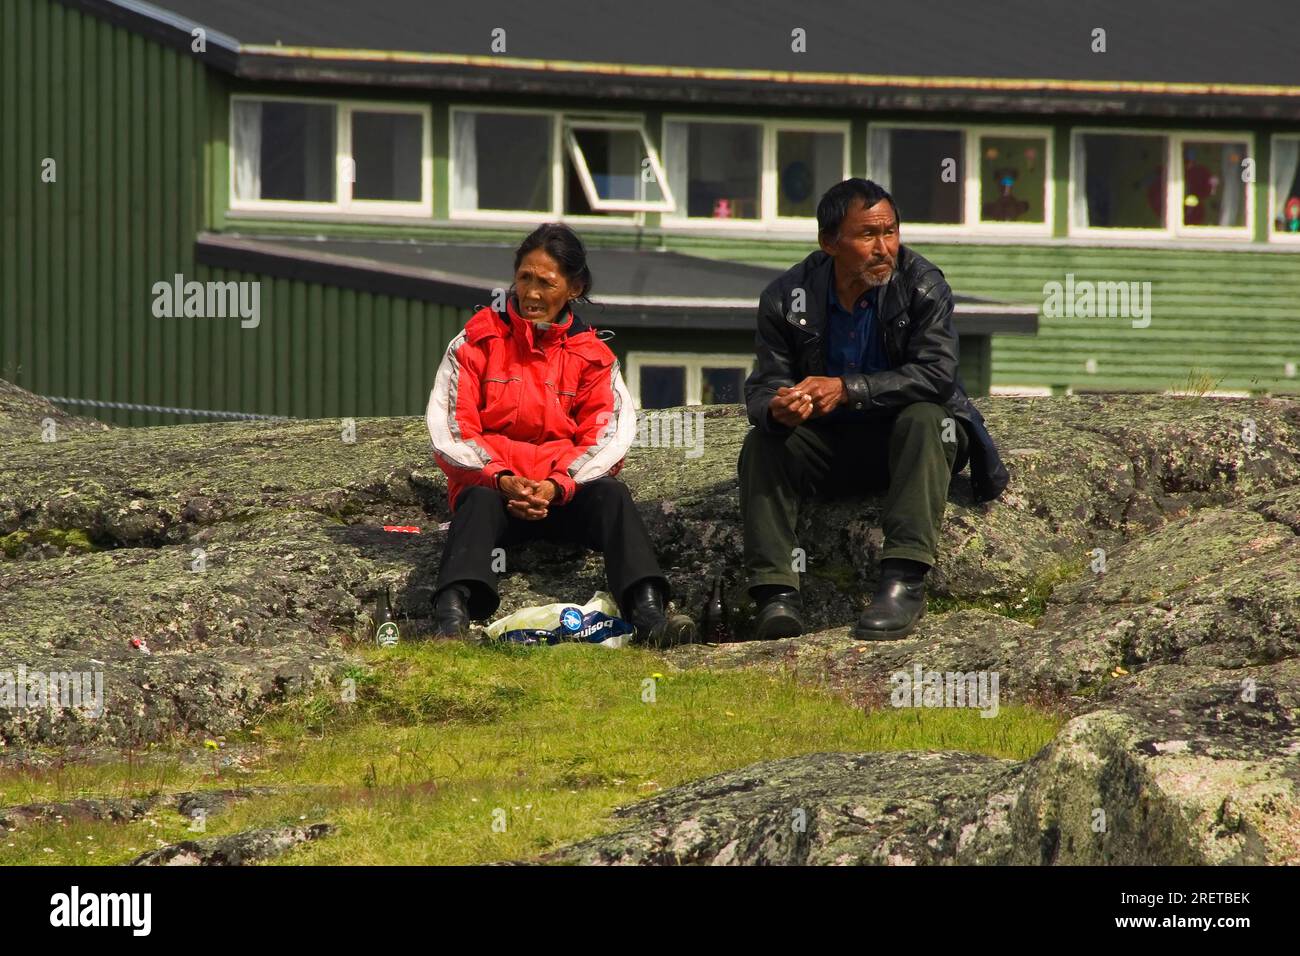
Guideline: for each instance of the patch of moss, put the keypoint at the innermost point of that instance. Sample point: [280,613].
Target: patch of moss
[72,540]
[1026,605]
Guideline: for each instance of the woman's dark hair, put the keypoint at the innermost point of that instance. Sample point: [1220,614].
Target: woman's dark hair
[563,245]
[834,205]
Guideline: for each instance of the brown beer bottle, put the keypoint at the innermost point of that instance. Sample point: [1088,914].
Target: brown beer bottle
[715,626]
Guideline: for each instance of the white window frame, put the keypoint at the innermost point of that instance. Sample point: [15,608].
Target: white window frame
[768,185]
[972,186]
[1177,141]
[555,211]
[343,201]
[1173,227]
[1284,238]
[693,362]
[579,160]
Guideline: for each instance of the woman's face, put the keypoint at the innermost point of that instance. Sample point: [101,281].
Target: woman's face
[541,287]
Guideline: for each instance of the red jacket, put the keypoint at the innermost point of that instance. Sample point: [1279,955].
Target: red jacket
[555,407]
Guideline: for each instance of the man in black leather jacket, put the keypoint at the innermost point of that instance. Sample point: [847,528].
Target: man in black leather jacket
[856,389]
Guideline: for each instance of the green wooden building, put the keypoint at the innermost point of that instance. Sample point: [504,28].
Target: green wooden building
[221,206]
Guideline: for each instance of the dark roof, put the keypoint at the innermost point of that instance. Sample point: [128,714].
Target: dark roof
[1238,60]
[634,287]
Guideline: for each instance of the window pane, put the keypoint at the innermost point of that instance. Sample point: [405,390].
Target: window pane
[917,160]
[1285,163]
[387,149]
[723,386]
[615,159]
[503,161]
[807,164]
[1124,181]
[663,386]
[614,166]
[1013,179]
[285,151]
[721,168]
[1213,193]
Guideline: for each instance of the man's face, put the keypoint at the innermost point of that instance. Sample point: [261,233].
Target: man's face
[867,245]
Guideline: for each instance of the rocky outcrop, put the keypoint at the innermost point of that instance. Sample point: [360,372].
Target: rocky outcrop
[1141,571]
[240,849]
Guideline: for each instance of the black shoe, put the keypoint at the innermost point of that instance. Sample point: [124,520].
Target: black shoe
[779,615]
[451,612]
[899,602]
[654,626]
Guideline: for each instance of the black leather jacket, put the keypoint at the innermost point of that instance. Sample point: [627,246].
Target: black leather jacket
[914,316]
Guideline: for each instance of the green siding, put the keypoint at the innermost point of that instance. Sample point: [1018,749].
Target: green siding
[115,112]
[140,135]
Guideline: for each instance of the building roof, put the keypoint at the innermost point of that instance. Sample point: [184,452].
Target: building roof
[1162,57]
[635,288]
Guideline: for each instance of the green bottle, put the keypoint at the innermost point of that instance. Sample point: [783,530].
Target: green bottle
[387,633]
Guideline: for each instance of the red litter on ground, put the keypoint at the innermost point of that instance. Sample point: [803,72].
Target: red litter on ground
[403,528]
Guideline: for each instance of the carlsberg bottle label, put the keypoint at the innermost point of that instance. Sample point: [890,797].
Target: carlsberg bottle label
[388,635]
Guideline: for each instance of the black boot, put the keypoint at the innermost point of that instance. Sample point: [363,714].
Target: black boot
[780,613]
[899,602]
[644,606]
[451,612]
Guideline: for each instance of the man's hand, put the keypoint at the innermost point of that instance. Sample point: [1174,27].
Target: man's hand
[814,396]
[525,498]
[826,392]
[790,407]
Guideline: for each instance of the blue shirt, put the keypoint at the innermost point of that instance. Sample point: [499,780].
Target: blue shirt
[852,341]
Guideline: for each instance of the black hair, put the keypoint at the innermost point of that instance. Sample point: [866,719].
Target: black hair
[834,205]
[563,245]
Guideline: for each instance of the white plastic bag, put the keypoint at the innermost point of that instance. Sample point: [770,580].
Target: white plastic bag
[596,622]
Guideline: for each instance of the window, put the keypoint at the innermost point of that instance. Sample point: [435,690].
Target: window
[527,163]
[959,179]
[1284,189]
[669,379]
[807,164]
[502,161]
[1213,193]
[719,168]
[1161,184]
[1123,181]
[1013,178]
[924,170]
[751,173]
[386,150]
[616,167]
[299,155]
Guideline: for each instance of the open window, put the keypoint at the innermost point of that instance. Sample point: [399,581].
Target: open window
[617,167]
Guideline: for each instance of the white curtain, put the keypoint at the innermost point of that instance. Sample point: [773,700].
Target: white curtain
[1079,176]
[1286,156]
[878,157]
[675,164]
[248,150]
[1230,208]
[465,188]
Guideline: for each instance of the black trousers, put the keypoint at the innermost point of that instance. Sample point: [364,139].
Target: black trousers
[601,516]
[910,456]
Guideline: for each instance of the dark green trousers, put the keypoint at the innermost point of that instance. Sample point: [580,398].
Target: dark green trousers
[909,456]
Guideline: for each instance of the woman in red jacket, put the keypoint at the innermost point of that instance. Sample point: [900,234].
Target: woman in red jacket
[530,420]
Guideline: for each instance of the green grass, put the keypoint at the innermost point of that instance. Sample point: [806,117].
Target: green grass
[442,735]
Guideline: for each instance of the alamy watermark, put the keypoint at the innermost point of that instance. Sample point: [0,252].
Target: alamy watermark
[55,690]
[208,300]
[922,688]
[1098,300]
[664,428]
